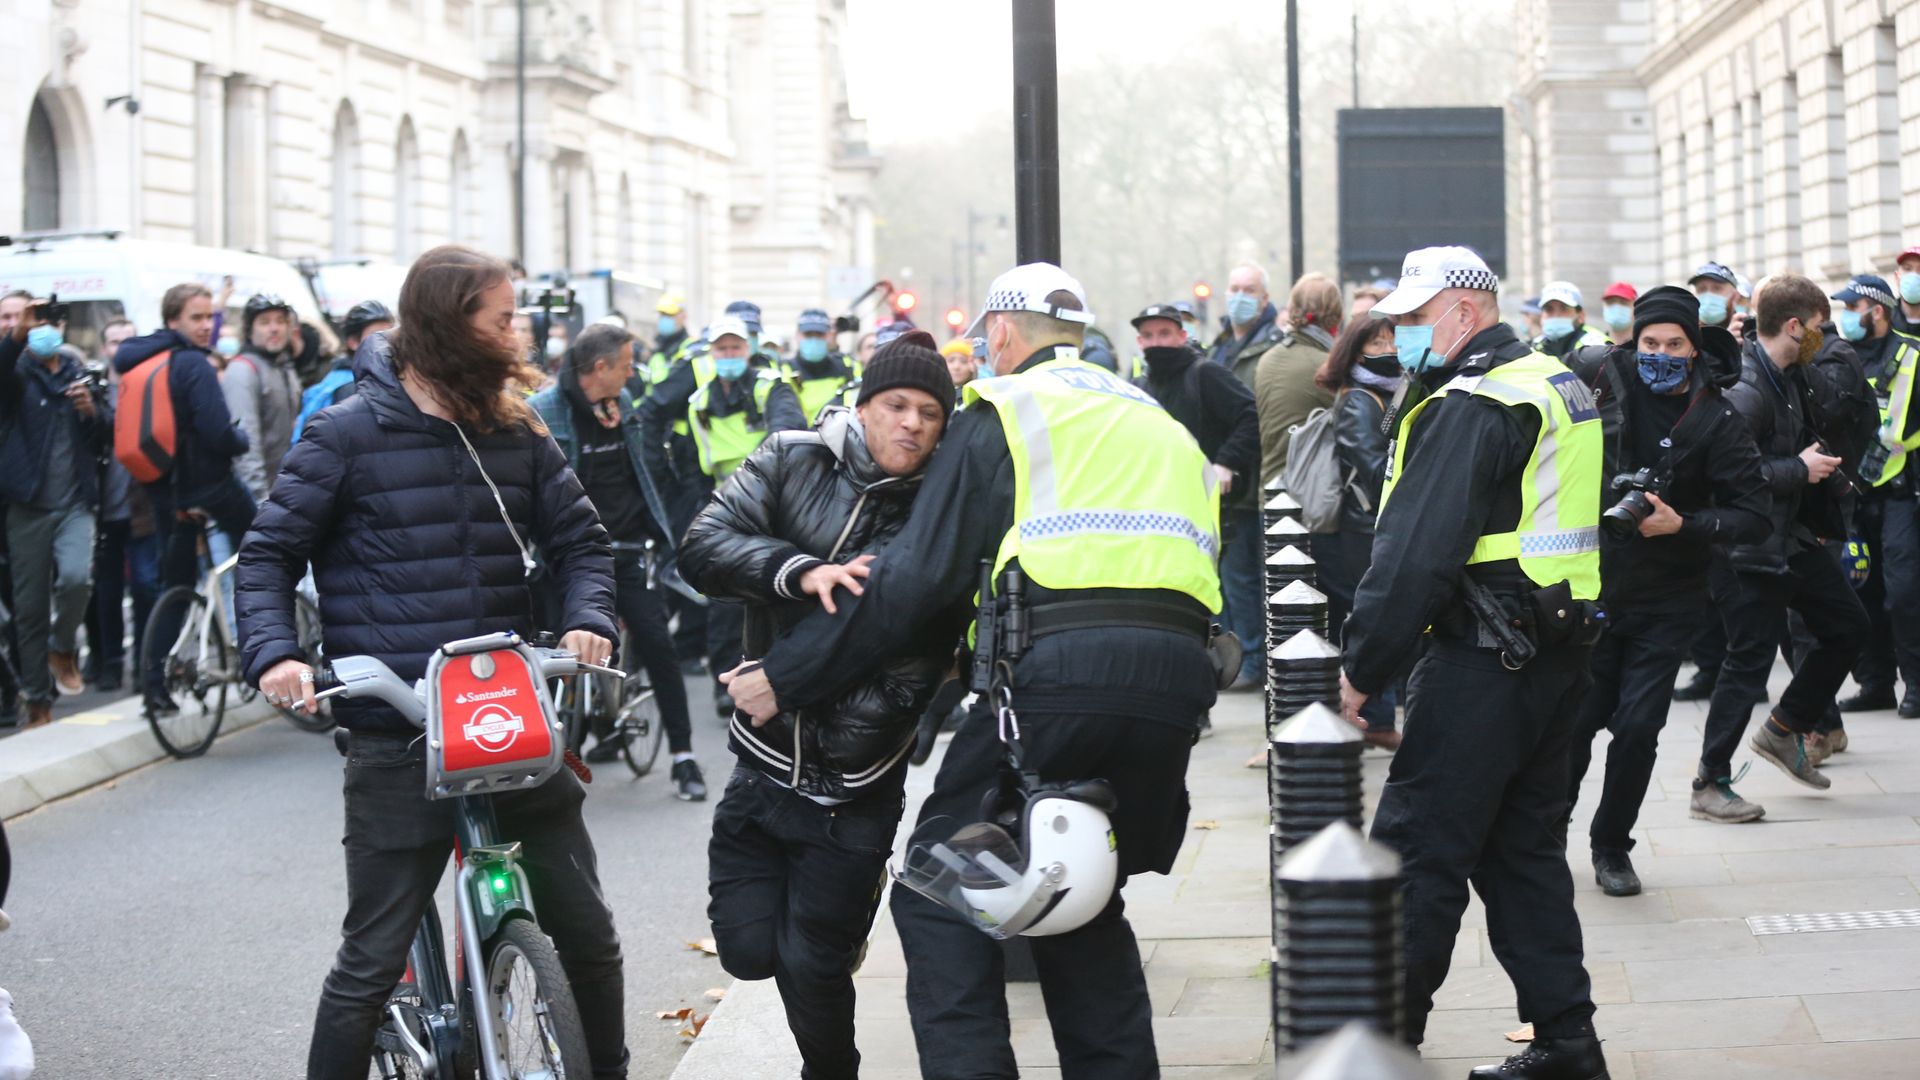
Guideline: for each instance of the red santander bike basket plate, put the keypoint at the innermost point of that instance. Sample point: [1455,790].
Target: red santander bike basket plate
[489,718]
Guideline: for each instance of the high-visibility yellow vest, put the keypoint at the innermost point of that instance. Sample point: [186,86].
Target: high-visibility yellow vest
[1558,536]
[725,441]
[1109,492]
[814,394]
[1896,407]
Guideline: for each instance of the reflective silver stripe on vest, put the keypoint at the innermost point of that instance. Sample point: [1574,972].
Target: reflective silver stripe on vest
[1546,479]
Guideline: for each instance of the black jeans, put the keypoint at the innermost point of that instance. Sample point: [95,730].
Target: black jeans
[122,564]
[1091,979]
[1753,608]
[1477,794]
[646,618]
[398,844]
[793,889]
[1633,668]
[231,508]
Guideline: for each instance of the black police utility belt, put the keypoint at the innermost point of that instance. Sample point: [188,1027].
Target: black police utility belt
[1519,627]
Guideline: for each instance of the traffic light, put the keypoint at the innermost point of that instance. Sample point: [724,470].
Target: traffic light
[904,302]
[956,319]
[1202,290]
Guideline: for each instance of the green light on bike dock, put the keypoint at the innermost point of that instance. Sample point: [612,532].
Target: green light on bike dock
[499,883]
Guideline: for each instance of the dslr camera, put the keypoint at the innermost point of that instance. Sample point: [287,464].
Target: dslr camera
[1623,518]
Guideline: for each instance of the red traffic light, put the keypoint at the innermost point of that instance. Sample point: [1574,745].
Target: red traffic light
[904,302]
[956,318]
[1202,290]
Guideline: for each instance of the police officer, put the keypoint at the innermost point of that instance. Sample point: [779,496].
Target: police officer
[670,343]
[1489,523]
[1117,538]
[1563,322]
[817,373]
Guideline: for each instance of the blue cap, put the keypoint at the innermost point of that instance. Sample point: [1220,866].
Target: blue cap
[815,321]
[1185,307]
[1867,287]
[1530,306]
[747,312]
[1716,272]
[891,331]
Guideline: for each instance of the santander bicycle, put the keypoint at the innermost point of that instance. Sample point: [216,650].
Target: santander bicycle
[500,1007]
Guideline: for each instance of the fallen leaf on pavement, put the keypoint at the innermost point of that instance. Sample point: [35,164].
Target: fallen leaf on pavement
[1525,1034]
[717,993]
[1258,761]
[692,1030]
[676,1014]
[1208,824]
[704,945]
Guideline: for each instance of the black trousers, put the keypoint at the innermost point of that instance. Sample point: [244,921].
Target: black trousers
[1754,608]
[1091,978]
[398,844]
[1710,647]
[231,508]
[793,887]
[646,617]
[1476,794]
[122,563]
[1633,668]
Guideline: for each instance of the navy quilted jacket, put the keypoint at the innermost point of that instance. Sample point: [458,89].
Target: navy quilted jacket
[408,548]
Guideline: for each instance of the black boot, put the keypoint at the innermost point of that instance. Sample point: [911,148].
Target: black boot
[1613,871]
[1910,705]
[1867,700]
[1550,1059]
[1700,688]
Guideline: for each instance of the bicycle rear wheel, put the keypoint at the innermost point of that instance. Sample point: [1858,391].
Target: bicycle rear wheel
[536,1025]
[640,724]
[306,618]
[196,679]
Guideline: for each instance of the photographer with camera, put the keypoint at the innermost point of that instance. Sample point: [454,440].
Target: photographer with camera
[1756,584]
[1687,477]
[53,426]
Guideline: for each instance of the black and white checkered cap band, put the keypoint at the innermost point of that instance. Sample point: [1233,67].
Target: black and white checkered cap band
[1484,280]
[1873,294]
[1017,300]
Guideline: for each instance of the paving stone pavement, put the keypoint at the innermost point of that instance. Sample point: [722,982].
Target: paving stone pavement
[1685,989]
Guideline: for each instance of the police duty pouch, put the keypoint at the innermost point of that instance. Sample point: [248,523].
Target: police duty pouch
[1559,619]
[1227,654]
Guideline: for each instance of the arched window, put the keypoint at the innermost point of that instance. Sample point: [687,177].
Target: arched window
[459,192]
[625,252]
[346,182]
[406,193]
[41,169]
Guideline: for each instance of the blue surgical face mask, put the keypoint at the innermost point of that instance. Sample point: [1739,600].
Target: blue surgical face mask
[1556,327]
[1713,309]
[44,340]
[1414,344]
[1242,308]
[813,350]
[1618,316]
[666,325]
[1662,373]
[1910,287]
[729,367]
[1852,326]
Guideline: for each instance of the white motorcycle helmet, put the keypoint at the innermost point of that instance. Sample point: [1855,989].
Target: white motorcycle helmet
[1044,862]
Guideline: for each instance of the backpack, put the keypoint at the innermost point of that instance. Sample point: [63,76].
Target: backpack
[1312,475]
[322,395]
[144,437]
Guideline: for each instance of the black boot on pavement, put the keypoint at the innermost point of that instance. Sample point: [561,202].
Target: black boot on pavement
[723,705]
[1699,688]
[1910,704]
[1868,700]
[1613,871]
[607,749]
[1550,1059]
[688,784]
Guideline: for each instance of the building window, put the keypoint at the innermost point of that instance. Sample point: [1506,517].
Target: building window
[406,193]
[41,171]
[625,254]
[459,194]
[346,182]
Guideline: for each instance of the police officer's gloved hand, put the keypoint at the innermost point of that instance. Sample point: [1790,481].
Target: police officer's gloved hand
[1859,561]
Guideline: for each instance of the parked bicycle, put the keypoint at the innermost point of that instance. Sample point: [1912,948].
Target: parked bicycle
[501,1006]
[624,708]
[202,665]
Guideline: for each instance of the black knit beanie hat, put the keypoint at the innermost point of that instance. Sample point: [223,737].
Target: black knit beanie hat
[911,360]
[1668,304]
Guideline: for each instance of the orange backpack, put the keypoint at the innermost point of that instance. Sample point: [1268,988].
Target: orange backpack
[144,438]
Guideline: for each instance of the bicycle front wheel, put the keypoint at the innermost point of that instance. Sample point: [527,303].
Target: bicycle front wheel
[640,724]
[306,619]
[194,661]
[536,1025]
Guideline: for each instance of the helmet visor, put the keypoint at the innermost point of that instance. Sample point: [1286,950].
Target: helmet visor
[981,873]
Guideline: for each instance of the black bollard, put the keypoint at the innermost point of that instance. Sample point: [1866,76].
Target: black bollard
[1355,1052]
[1313,775]
[1337,939]
[1280,506]
[1297,607]
[1303,670]
[1288,531]
[1288,565]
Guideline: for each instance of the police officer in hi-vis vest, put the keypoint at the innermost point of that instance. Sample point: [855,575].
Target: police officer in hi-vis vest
[1109,511]
[1488,551]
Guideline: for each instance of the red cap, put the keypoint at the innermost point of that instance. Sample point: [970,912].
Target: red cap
[1911,253]
[1622,290]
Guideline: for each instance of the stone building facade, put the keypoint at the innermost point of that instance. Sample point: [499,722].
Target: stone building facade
[704,143]
[1767,134]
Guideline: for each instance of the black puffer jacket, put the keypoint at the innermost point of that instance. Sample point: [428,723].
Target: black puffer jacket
[805,497]
[409,549]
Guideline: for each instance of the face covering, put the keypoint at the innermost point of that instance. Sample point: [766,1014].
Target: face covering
[1618,316]
[1741,309]
[1713,309]
[556,348]
[1414,345]
[1910,287]
[1662,373]
[666,326]
[1160,355]
[1852,326]
[228,346]
[44,340]
[1382,372]
[1556,327]
[813,350]
[729,367]
[1242,308]
[1810,344]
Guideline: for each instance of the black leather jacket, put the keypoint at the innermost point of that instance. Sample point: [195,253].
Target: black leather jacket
[1361,446]
[1774,405]
[805,497]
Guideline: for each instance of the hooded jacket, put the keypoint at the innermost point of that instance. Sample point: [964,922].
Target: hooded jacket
[32,400]
[263,396]
[208,438]
[408,546]
[803,498]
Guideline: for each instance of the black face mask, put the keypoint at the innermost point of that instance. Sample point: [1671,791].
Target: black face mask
[1162,355]
[1383,364]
